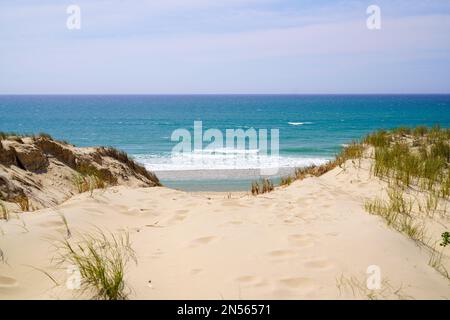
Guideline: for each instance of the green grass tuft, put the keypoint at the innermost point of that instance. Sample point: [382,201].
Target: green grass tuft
[101,260]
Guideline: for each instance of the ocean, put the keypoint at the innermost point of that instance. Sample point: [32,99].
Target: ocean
[312,128]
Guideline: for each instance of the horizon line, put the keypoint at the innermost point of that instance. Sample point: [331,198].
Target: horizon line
[222,94]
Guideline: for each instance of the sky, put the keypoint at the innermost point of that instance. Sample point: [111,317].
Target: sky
[224,46]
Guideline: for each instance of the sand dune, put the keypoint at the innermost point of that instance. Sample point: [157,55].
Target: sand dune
[310,240]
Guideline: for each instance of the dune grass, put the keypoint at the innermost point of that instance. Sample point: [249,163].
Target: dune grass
[23,202]
[2,257]
[416,164]
[286,181]
[354,151]
[6,135]
[396,211]
[358,288]
[101,259]
[417,157]
[66,225]
[4,211]
[263,186]
[84,183]
[123,157]
[436,262]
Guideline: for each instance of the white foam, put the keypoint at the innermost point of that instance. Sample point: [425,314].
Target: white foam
[223,161]
[299,123]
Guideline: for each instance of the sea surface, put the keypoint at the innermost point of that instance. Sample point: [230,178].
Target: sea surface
[312,128]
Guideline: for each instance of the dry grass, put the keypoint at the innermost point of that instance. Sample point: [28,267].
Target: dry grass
[286,181]
[2,257]
[9,135]
[4,211]
[66,225]
[396,212]
[436,262]
[354,151]
[263,186]
[23,202]
[123,157]
[101,260]
[358,289]
[85,183]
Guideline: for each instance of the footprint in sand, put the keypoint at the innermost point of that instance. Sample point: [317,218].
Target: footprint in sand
[180,215]
[191,204]
[51,224]
[7,282]
[195,271]
[235,222]
[298,283]
[332,234]
[281,254]
[251,281]
[232,203]
[289,221]
[319,264]
[132,211]
[157,254]
[202,241]
[301,240]
[246,279]
[95,210]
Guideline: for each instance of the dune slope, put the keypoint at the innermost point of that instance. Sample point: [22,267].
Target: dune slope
[310,240]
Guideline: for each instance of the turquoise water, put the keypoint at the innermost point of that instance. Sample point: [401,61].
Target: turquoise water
[312,128]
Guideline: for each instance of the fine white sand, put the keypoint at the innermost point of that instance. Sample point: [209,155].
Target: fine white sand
[309,240]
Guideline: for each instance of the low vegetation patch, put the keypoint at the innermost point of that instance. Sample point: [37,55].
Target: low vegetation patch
[354,151]
[396,211]
[417,157]
[445,239]
[416,164]
[102,260]
[123,157]
[263,186]
[23,202]
[4,211]
[85,183]
[286,181]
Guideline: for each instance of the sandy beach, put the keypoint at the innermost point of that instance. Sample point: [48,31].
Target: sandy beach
[309,240]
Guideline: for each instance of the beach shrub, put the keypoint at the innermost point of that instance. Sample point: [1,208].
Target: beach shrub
[102,260]
[445,239]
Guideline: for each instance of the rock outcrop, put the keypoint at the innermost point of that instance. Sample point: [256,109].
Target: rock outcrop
[42,171]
